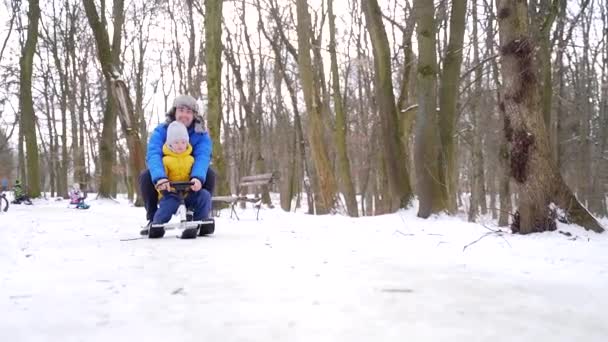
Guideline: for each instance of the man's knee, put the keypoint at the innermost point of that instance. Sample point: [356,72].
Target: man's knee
[205,196]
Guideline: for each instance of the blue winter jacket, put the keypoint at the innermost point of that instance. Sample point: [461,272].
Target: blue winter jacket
[201,151]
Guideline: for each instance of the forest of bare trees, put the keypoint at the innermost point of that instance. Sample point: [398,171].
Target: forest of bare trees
[477,107]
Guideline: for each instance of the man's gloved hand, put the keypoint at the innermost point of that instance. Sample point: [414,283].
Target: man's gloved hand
[197,186]
[163,185]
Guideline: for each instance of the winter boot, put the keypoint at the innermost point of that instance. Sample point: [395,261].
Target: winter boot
[207,227]
[156,232]
[189,233]
[145,229]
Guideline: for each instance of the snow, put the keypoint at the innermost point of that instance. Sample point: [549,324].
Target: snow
[65,275]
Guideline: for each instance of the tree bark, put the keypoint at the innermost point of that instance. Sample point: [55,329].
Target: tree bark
[427,139]
[395,157]
[325,177]
[129,123]
[109,58]
[26,103]
[213,60]
[448,95]
[478,193]
[534,171]
[345,175]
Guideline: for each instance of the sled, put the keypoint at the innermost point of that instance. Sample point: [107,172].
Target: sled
[79,205]
[188,228]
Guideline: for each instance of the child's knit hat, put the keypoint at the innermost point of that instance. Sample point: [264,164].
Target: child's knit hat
[177,131]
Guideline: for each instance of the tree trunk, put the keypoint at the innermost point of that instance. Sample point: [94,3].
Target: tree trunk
[532,167]
[395,157]
[325,177]
[21,153]
[79,157]
[345,176]
[427,139]
[448,95]
[478,195]
[213,59]
[109,58]
[130,127]
[51,152]
[26,103]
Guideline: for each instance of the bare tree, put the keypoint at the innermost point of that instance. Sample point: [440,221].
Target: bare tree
[427,143]
[394,155]
[26,104]
[109,58]
[213,56]
[532,167]
[313,102]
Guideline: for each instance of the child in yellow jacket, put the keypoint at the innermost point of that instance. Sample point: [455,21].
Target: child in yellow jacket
[178,161]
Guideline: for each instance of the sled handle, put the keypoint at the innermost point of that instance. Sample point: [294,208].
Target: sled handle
[181,186]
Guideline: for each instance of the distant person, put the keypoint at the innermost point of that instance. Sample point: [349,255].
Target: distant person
[77,197]
[20,194]
[185,110]
[4,184]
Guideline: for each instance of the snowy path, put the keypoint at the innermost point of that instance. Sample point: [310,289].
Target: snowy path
[66,276]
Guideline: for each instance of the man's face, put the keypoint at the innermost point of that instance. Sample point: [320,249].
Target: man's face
[184,115]
[179,146]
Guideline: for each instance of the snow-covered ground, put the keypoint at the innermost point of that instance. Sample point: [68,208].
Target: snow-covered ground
[66,275]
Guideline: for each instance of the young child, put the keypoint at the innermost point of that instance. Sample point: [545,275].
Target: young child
[20,194]
[178,161]
[77,197]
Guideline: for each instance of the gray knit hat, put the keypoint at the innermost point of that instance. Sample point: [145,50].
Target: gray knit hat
[186,101]
[177,131]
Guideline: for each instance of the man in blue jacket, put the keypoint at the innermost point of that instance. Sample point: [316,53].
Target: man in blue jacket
[184,110]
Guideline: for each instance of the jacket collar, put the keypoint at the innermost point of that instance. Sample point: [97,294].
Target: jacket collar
[167,151]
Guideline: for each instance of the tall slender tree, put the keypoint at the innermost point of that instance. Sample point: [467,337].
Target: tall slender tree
[26,103]
[448,96]
[109,58]
[324,173]
[394,156]
[345,175]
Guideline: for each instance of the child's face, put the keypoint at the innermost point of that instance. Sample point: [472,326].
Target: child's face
[179,146]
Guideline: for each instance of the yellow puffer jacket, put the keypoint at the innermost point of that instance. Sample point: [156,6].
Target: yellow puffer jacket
[178,165]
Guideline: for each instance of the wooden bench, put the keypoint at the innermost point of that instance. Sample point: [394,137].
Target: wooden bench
[244,184]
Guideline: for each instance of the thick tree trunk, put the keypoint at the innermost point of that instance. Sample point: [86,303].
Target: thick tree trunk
[109,58]
[395,157]
[427,140]
[598,204]
[448,95]
[345,175]
[26,103]
[213,60]
[324,173]
[532,167]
